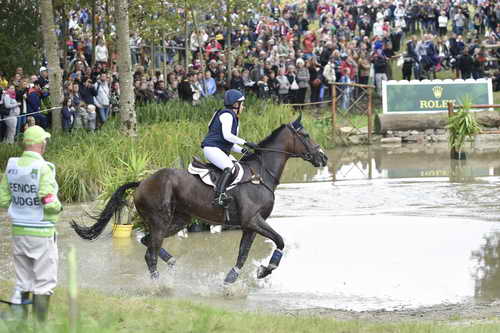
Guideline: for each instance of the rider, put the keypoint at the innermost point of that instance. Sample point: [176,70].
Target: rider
[222,138]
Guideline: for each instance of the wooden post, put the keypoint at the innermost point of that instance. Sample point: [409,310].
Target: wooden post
[370,162]
[334,107]
[370,116]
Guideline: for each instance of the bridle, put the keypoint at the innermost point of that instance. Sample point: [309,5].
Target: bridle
[307,156]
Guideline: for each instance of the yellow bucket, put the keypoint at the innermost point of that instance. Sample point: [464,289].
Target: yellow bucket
[122,230]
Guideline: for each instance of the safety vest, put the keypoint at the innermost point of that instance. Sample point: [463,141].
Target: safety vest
[26,209]
[214,138]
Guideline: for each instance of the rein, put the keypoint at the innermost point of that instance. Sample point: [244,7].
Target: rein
[305,156]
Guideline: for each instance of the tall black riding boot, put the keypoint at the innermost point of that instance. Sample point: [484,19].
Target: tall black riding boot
[41,307]
[221,199]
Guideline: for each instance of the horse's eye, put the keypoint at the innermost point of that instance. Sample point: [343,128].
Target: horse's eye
[306,135]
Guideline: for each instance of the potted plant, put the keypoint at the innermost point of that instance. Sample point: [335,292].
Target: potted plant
[461,125]
[198,225]
[134,168]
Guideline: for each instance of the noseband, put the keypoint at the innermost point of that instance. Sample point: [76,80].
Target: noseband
[307,156]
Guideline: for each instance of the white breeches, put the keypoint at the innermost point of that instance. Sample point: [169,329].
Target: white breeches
[219,158]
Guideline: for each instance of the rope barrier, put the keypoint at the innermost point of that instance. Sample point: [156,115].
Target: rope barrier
[29,114]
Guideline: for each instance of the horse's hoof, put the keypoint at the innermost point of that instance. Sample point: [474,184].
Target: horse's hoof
[171,263]
[155,275]
[231,277]
[263,271]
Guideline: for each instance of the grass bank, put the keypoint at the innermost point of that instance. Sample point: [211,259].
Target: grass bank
[169,135]
[100,313]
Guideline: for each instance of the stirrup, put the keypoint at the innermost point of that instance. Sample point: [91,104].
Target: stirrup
[222,200]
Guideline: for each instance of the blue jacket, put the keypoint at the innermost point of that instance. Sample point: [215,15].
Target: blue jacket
[34,102]
[214,137]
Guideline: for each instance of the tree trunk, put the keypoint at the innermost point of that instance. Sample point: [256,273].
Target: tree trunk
[228,43]
[423,121]
[65,34]
[127,107]
[94,32]
[186,35]
[52,52]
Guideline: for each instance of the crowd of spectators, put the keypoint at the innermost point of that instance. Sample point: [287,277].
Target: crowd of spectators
[290,52]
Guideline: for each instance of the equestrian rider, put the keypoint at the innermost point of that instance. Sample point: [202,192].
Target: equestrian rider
[222,138]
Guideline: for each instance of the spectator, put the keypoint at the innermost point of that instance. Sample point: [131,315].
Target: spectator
[443,23]
[34,103]
[4,83]
[237,82]
[102,98]
[465,65]
[101,53]
[380,69]
[68,115]
[172,84]
[283,86]
[303,81]
[91,118]
[160,92]
[263,90]
[185,90]
[209,85]
[12,105]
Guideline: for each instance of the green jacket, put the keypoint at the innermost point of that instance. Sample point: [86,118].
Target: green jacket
[47,185]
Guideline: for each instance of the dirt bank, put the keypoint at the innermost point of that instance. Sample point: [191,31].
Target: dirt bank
[461,314]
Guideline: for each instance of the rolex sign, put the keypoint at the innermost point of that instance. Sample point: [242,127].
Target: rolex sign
[433,96]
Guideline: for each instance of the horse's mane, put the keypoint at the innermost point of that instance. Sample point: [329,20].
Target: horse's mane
[269,139]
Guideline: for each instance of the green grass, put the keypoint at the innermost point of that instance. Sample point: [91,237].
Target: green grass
[100,313]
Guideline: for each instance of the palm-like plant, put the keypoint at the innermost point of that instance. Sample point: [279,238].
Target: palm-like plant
[462,125]
[134,167]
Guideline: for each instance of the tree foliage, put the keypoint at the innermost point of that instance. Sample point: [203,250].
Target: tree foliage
[20,40]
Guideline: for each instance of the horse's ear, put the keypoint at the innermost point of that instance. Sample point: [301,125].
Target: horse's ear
[297,123]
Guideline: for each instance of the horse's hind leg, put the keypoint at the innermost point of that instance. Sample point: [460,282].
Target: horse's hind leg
[260,226]
[245,244]
[160,229]
[163,254]
[178,223]
[151,257]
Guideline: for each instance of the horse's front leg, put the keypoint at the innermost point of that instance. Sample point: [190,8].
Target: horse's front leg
[260,226]
[245,244]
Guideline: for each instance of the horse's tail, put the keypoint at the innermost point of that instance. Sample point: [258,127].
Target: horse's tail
[114,205]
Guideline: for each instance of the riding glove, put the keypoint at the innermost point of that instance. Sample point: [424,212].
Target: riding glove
[244,151]
[251,145]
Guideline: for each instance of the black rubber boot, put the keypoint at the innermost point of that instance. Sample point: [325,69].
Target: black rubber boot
[221,199]
[19,312]
[41,307]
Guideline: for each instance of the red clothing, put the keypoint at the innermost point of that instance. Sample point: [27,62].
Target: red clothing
[309,44]
[215,47]
[344,65]
[323,7]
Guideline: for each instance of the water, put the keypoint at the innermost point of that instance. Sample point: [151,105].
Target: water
[379,228]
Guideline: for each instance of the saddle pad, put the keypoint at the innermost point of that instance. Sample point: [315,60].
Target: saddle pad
[204,175]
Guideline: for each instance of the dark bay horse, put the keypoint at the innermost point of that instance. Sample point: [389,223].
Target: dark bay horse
[168,199]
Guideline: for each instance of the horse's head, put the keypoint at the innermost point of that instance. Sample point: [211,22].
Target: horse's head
[304,146]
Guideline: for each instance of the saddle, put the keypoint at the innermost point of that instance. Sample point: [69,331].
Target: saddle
[209,173]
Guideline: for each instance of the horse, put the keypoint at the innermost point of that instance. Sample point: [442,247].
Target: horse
[168,199]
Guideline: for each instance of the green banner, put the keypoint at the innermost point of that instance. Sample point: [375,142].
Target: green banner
[433,96]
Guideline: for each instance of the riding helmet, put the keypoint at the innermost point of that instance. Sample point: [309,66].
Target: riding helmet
[232,96]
